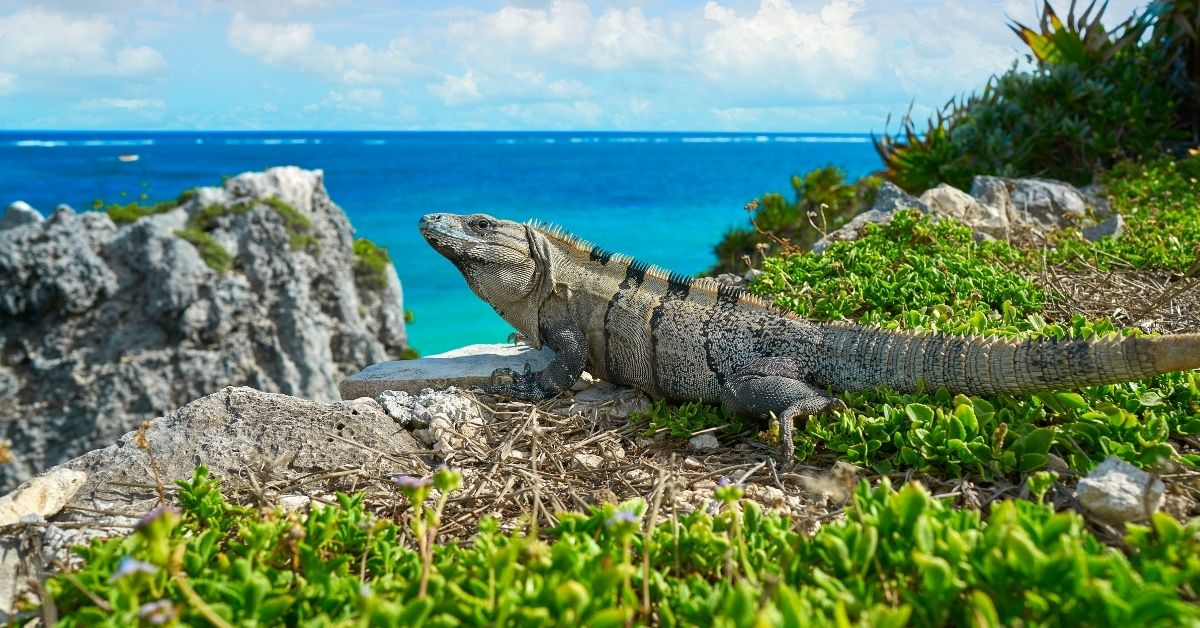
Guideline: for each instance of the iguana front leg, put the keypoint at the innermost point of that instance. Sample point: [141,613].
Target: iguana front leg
[570,356]
[776,386]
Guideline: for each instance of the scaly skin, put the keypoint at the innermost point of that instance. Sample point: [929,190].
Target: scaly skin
[685,339]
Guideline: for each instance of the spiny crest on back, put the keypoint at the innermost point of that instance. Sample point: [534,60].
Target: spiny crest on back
[674,280]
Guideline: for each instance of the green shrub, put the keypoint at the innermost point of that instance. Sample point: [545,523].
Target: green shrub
[823,201]
[213,254]
[1096,97]
[370,265]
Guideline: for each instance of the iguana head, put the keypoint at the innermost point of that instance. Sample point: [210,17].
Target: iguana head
[506,263]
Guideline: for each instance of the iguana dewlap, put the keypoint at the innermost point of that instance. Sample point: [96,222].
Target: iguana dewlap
[684,339]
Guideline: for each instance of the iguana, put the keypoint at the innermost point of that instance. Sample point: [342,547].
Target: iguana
[685,339]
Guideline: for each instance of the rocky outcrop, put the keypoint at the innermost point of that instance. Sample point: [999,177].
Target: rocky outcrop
[996,208]
[104,326]
[281,449]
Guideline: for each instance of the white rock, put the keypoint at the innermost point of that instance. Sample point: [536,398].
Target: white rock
[467,367]
[616,401]
[294,503]
[1117,492]
[589,461]
[1040,205]
[691,464]
[19,213]
[41,496]
[949,201]
[705,441]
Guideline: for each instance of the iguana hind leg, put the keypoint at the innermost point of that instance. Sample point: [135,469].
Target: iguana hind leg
[774,386]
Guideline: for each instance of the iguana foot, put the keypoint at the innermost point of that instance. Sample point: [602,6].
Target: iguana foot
[787,424]
[506,381]
[774,387]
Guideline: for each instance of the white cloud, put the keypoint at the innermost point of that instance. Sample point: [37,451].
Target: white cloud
[782,51]
[34,40]
[125,104]
[567,34]
[296,45]
[457,90]
[555,115]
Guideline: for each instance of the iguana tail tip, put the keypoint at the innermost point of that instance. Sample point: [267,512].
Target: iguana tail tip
[1180,352]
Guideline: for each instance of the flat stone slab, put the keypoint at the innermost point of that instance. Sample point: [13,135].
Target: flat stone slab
[468,367]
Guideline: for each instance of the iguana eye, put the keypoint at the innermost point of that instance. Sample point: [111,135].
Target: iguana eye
[483,223]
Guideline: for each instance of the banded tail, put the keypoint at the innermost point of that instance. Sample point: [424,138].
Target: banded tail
[976,365]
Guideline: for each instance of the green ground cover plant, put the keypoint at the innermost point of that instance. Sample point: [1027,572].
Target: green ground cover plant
[1160,198]
[823,201]
[900,557]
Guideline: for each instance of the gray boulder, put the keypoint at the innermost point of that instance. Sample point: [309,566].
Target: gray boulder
[890,197]
[1037,205]
[853,229]
[268,445]
[105,326]
[19,213]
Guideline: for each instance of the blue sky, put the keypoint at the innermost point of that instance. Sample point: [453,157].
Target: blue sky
[751,65]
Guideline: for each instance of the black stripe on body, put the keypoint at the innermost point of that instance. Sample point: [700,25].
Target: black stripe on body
[634,276]
[679,285]
[678,288]
[728,296]
[598,254]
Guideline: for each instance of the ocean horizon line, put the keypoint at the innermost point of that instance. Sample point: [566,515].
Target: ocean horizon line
[62,138]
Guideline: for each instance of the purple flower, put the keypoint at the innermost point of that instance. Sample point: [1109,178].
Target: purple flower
[153,515]
[157,613]
[129,566]
[622,516]
[410,482]
[723,481]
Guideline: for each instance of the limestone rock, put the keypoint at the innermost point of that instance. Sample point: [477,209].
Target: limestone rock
[106,326]
[41,496]
[852,229]
[1038,205]
[616,401]
[19,213]
[468,367]
[890,198]
[703,442]
[236,432]
[1111,227]
[1117,492]
[949,201]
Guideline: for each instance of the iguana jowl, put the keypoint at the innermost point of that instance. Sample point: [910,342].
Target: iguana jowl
[684,339]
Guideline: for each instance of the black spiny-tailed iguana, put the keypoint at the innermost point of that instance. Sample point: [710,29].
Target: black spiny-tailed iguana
[685,339]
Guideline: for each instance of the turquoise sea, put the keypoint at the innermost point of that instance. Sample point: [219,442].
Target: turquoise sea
[665,198]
